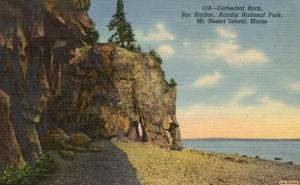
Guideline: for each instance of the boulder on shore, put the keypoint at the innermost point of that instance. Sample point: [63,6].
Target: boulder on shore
[80,139]
[55,139]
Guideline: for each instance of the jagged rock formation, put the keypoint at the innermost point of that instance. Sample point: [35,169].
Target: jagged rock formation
[36,37]
[53,81]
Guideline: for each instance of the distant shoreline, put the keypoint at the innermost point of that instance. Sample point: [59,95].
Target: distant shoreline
[236,139]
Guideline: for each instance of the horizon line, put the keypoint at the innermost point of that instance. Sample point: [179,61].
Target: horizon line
[216,138]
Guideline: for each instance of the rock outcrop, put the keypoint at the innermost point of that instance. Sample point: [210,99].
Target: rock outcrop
[53,80]
[118,93]
[36,38]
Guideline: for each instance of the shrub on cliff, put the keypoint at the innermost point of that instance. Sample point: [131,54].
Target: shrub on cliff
[92,36]
[172,83]
[28,175]
[156,56]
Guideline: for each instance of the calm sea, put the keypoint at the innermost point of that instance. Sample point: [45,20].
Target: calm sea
[287,150]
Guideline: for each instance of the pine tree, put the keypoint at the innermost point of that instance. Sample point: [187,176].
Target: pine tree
[129,36]
[123,36]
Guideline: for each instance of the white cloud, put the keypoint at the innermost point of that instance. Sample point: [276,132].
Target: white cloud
[158,33]
[166,50]
[240,95]
[226,48]
[295,87]
[225,33]
[208,80]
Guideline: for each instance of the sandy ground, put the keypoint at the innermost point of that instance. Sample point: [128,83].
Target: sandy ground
[135,163]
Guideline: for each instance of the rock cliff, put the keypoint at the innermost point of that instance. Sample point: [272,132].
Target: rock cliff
[115,92]
[10,152]
[36,38]
[49,79]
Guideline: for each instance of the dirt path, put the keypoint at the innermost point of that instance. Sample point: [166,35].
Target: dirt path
[109,167]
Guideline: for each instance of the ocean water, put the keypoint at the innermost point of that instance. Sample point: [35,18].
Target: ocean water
[287,150]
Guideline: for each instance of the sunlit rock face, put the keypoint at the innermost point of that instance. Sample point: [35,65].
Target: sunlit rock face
[118,93]
[53,80]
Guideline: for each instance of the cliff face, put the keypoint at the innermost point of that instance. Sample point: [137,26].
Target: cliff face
[119,93]
[53,81]
[8,140]
[36,37]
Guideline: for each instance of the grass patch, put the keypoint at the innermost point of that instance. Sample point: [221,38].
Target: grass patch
[30,174]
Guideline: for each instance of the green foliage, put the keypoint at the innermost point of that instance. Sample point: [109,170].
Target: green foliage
[123,36]
[28,175]
[172,83]
[156,56]
[92,36]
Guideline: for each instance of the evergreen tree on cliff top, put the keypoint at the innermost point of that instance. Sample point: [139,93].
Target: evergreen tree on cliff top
[123,36]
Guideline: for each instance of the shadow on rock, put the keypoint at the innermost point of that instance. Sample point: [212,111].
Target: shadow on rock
[108,167]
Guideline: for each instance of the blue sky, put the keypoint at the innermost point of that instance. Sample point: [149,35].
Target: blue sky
[234,71]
